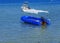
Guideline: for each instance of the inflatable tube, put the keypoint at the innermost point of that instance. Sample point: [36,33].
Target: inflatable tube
[34,20]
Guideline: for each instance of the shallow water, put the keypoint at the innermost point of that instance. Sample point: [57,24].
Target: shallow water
[13,30]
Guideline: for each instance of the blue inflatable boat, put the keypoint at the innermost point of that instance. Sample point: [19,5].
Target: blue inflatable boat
[34,20]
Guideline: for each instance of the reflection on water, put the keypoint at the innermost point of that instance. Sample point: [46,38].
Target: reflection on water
[40,28]
[44,26]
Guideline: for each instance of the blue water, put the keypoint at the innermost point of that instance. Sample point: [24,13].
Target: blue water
[30,1]
[13,30]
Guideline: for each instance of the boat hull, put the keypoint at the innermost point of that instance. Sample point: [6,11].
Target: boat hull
[34,20]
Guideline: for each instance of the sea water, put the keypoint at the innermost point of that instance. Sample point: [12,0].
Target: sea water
[13,30]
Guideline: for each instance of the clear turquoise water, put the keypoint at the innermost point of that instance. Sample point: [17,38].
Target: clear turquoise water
[13,30]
